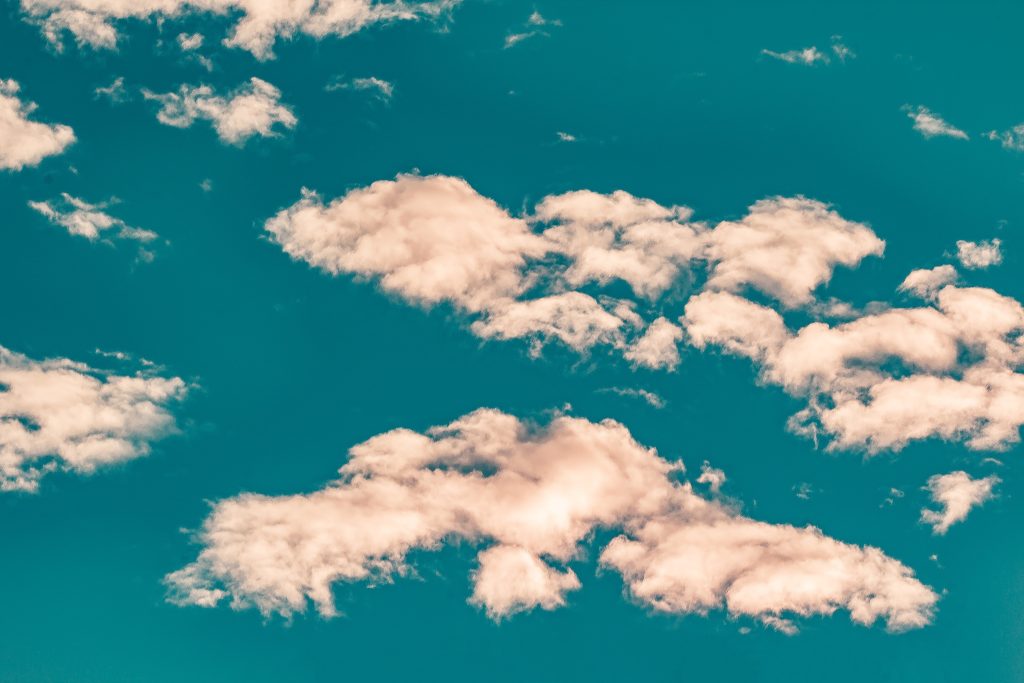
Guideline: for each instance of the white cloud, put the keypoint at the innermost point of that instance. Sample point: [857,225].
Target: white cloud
[530,497]
[651,398]
[435,239]
[842,52]
[714,478]
[61,415]
[258,24]
[534,27]
[252,109]
[190,41]
[925,283]
[977,255]
[566,137]
[1012,139]
[808,56]
[381,89]
[24,142]
[949,370]
[955,494]
[90,221]
[786,248]
[930,124]
[657,347]
[115,92]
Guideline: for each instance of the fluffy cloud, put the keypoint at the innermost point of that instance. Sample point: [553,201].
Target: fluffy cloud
[926,282]
[977,255]
[252,109]
[930,124]
[948,370]
[90,221]
[530,497]
[435,239]
[258,23]
[786,248]
[24,142]
[955,494]
[62,415]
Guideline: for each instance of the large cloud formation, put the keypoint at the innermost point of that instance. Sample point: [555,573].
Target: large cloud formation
[435,239]
[530,497]
[24,142]
[258,23]
[59,414]
[610,270]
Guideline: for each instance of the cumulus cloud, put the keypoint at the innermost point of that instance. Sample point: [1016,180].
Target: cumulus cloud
[977,255]
[948,370]
[252,109]
[435,239]
[258,24]
[24,142]
[90,221]
[530,497]
[955,494]
[930,124]
[807,56]
[61,415]
[926,282]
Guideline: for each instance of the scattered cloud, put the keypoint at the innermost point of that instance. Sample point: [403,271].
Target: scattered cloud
[955,494]
[92,222]
[535,26]
[378,87]
[979,255]
[841,51]
[24,142]
[206,185]
[808,56]
[930,124]
[190,41]
[61,415]
[1012,139]
[566,137]
[714,478]
[115,92]
[259,24]
[530,497]
[251,109]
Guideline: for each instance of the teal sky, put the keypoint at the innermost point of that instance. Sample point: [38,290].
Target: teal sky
[289,367]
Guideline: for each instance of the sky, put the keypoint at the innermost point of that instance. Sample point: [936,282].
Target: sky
[522,341]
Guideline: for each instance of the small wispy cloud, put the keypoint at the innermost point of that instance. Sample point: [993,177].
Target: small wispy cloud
[1012,139]
[651,398]
[91,221]
[115,92]
[534,26]
[930,124]
[808,56]
[566,137]
[378,87]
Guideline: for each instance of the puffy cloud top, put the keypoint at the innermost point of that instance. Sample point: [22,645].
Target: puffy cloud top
[24,142]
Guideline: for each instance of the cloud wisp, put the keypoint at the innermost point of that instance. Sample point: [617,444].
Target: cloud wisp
[930,125]
[60,415]
[92,222]
[530,498]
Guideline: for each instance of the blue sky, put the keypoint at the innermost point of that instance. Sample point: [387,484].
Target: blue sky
[508,198]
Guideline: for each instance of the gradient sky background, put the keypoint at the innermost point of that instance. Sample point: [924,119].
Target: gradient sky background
[672,101]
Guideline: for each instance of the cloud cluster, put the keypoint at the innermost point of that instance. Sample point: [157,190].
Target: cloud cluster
[435,239]
[810,56]
[948,369]
[930,124]
[258,23]
[90,221]
[61,415]
[530,497]
[955,494]
[251,109]
[24,142]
